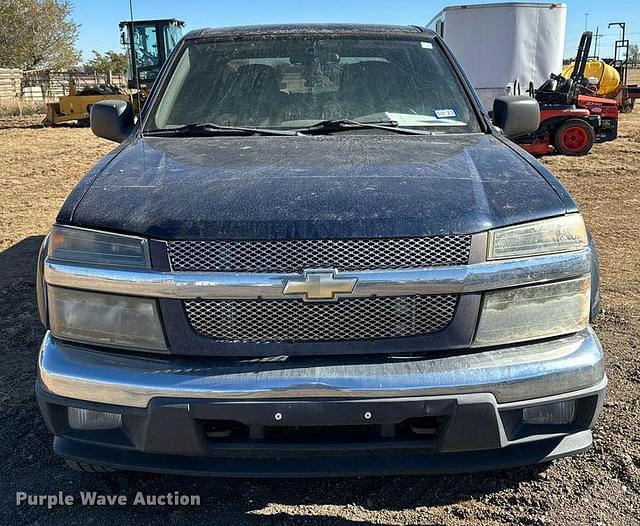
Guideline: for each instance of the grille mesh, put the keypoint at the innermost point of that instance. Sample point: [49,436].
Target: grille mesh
[296,255]
[347,319]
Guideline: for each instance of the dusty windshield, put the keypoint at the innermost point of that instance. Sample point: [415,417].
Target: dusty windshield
[294,82]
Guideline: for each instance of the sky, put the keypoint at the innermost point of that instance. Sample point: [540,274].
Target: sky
[99,20]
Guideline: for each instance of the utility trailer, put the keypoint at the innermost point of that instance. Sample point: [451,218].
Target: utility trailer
[504,46]
[625,94]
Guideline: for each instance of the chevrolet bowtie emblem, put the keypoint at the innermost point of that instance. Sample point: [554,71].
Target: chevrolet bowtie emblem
[319,285]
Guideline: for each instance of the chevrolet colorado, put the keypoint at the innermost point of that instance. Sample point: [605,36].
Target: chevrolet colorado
[316,254]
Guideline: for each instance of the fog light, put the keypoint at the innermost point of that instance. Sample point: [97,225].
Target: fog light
[556,413]
[86,419]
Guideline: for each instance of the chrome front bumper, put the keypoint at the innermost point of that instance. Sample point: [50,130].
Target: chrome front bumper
[512,374]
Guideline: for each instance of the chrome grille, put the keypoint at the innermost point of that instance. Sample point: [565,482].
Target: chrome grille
[296,255]
[294,320]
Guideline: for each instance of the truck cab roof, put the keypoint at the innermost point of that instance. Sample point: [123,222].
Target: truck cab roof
[284,29]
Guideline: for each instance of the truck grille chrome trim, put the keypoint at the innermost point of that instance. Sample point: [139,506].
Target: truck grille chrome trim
[348,319]
[421,281]
[298,254]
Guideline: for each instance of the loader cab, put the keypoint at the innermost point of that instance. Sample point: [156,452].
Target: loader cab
[148,44]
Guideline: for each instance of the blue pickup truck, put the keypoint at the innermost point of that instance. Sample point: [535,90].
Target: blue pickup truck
[314,253]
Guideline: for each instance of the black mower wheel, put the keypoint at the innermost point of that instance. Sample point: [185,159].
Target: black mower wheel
[627,106]
[574,137]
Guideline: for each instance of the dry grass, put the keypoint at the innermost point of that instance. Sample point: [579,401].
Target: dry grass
[17,107]
[41,166]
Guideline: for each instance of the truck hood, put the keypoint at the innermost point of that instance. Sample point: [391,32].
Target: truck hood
[337,186]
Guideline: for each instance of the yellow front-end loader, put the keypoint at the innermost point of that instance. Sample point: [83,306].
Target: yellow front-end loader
[148,43]
[77,105]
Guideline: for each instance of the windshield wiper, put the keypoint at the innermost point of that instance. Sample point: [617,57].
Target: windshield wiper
[210,128]
[322,127]
[334,125]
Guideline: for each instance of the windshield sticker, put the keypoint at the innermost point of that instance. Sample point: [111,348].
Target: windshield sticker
[446,113]
[426,45]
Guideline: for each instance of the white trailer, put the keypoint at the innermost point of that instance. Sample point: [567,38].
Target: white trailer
[502,44]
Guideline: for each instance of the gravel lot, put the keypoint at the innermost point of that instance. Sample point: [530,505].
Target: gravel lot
[41,165]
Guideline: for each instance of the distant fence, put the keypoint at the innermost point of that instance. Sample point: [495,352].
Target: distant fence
[10,83]
[46,85]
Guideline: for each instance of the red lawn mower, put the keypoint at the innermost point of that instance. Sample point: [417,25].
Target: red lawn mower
[572,118]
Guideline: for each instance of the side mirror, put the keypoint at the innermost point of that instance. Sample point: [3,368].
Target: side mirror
[516,115]
[112,119]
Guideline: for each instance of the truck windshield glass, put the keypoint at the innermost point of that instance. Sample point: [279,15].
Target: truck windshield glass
[296,82]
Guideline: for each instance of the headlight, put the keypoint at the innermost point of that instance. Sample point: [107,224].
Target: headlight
[532,312]
[99,248]
[549,236]
[98,318]
[105,319]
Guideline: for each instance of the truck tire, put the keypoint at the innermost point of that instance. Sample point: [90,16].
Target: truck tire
[574,137]
[85,123]
[88,468]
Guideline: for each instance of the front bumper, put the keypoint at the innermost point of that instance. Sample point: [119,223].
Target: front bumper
[354,415]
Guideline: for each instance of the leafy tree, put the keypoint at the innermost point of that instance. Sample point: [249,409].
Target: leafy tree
[109,61]
[37,34]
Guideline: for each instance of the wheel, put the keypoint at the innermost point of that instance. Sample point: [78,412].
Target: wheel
[85,123]
[574,137]
[627,106]
[88,468]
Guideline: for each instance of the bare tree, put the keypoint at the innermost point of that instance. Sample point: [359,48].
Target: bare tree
[634,54]
[37,34]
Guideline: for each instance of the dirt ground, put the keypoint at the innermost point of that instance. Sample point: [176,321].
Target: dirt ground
[601,487]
